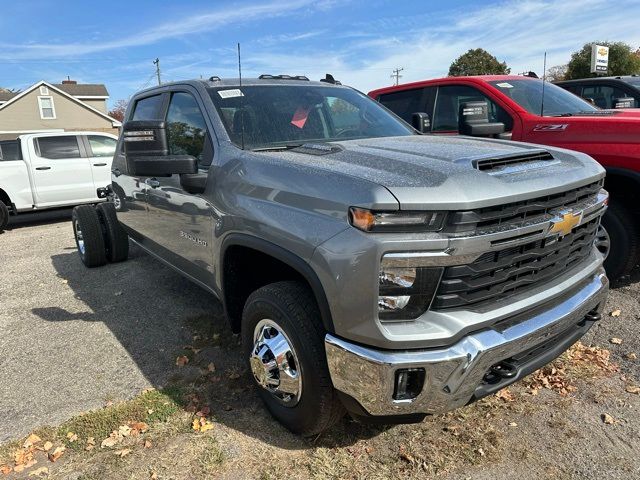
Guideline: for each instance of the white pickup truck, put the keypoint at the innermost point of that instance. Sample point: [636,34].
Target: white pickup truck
[51,170]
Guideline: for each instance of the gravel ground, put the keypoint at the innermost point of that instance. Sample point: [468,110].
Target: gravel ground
[73,339]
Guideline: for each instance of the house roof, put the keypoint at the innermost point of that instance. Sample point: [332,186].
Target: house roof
[83,89]
[15,98]
[6,95]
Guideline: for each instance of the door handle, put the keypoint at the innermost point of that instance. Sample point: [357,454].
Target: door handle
[43,168]
[99,164]
[152,182]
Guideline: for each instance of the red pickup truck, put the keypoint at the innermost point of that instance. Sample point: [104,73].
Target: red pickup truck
[528,110]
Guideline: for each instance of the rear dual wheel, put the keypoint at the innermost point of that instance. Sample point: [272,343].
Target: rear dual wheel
[98,234]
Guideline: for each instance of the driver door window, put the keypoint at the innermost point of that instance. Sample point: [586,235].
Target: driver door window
[448,101]
[187,130]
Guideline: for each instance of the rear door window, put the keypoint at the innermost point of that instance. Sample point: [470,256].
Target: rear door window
[10,150]
[58,147]
[605,96]
[405,103]
[448,101]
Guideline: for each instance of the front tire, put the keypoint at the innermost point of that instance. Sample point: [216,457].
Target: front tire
[621,225]
[4,216]
[88,234]
[283,340]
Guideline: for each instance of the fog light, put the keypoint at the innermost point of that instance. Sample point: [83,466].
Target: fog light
[409,383]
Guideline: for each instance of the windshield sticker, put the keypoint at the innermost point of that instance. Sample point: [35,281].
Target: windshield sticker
[230,93]
[300,117]
[504,85]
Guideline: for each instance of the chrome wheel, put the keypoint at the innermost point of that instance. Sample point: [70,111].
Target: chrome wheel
[79,237]
[603,242]
[274,363]
[115,199]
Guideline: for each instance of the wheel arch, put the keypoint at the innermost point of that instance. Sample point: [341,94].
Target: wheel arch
[4,197]
[288,266]
[623,184]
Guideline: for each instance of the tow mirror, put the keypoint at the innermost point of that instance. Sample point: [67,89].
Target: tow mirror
[421,122]
[473,119]
[147,152]
[623,102]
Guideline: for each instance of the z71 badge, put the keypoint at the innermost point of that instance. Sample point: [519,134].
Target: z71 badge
[551,127]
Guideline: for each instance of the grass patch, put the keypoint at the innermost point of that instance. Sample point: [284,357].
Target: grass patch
[151,407]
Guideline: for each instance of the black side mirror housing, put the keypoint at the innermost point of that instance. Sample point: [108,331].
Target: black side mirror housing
[421,122]
[473,119]
[147,151]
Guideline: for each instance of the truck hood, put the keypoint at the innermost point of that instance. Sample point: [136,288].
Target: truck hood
[431,172]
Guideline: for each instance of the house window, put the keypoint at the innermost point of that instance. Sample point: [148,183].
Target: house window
[47,110]
[44,90]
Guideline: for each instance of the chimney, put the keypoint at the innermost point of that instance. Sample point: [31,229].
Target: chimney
[68,81]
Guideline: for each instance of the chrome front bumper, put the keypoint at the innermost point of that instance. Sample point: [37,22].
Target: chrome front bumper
[454,375]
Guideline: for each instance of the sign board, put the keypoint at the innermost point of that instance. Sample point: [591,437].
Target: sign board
[599,59]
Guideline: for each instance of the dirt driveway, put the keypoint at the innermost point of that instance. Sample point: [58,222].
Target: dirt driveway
[74,340]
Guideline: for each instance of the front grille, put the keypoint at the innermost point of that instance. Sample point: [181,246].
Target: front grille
[514,215]
[513,270]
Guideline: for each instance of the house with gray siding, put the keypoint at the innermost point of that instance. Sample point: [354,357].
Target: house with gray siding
[50,107]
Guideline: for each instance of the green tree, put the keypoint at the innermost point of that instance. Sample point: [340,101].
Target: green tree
[559,72]
[477,62]
[622,61]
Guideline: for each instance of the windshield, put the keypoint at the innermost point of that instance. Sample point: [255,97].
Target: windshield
[277,116]
[557,101]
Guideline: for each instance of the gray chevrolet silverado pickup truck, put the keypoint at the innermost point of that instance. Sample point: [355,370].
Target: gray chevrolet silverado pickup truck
[368,268]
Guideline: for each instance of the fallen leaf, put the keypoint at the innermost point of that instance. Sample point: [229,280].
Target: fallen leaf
[513,424]
[56,454]
[150,411]
[211,367]
[22,457]
[633,389]
[109,442]
[91,441]
[195,424]
[481,452]
[122,453]
[117,294]
[72,437]
[140,426]
[154,476]
[47,446]
[182,360]
[148,444]
[204,411]
[234,376]
[207,426]
[5,469]
[39,471]
[616,313]
[505,395]
[124,430]
[608,419]
[631,356]
[19,468]
[615,340]
[201,425]
[31,440]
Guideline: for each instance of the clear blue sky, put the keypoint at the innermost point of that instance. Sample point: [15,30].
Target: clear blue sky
[359,41]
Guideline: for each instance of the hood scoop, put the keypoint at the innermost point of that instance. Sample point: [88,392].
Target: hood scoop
[514,163]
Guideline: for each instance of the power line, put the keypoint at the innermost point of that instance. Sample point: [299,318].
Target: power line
[396,75]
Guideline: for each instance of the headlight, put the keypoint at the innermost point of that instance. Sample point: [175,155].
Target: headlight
[405,293]
[369,221]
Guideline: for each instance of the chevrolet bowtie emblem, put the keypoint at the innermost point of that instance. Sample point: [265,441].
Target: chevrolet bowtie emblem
[568,222]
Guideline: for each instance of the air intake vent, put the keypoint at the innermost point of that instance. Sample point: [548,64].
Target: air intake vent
[499,163]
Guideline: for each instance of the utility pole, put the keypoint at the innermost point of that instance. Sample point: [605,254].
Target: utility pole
[156,62]
[396,75]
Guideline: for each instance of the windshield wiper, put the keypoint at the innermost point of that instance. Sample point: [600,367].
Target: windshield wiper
[274,148]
